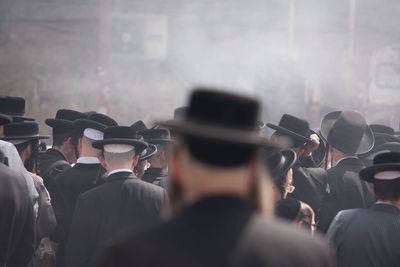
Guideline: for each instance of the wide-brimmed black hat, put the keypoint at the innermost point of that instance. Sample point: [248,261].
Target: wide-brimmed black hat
[139,126]
[5,119]
[148,152]
[348,132]
[221,116]
[279,161]
[121,135]
[368,157]
[19,132]
[386,166]
[64,119]
[15,107]
[156,136]
[294,127]
[96,121]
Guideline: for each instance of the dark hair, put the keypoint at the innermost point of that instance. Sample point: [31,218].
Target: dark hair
[387,190]
[219,153]
[280,183]
[60,138]
[31,163]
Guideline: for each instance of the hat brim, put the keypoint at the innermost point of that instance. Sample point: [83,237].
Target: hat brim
[25,137]
[368,174]
[5,119]
[150,152]
[59,123]
[21,118]
[367,141]
[290,159]
[198,129]
[285,131]
[138,144]
[158,141]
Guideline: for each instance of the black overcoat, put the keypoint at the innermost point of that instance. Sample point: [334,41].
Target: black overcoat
[123,203]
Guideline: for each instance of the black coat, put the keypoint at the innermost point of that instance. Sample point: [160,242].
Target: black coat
[367,237]
[219,231]
[346,191]
[70,185]
[310,186]
[156,176]
[17,220]
[122,203]
[51,164]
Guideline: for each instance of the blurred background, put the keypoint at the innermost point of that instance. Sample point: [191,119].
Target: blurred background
[138,59]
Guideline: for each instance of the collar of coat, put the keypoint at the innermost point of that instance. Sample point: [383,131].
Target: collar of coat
[121,176]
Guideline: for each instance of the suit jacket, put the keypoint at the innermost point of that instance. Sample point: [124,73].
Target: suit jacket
[156,176]
[219,231]
[17,220]
[346,191]
[310,186]
[367,237]
[122,203]
[70,185]
[47,161]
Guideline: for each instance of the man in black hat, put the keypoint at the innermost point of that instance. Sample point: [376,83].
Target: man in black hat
[371,237]
[309,183]
[158,171]
[64,151]
[17,220]
[25,137]
[214,163]
[85,175]
[347,135]
[123,202]
[14,107]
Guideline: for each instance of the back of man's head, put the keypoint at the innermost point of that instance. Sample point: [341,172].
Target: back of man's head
[119,159]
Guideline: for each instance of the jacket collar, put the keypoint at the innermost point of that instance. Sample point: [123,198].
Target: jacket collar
[350,163]
[156,172]
[122,175]
[385,208]
[55,153]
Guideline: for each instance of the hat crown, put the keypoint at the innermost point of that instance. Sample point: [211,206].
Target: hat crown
[387,158]
[159,134]
[21,129]
[120,132]
[139,126]
[223,110]
[70,115]
[103,119]
[294,124]
[11,105]
[180,113]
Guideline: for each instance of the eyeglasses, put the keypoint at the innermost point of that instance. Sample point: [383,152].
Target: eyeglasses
[290,188]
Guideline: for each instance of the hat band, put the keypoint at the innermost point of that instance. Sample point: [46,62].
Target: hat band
[387,175]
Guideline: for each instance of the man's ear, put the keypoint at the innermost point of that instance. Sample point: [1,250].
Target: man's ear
[28,150]
[103,161]
[135,161]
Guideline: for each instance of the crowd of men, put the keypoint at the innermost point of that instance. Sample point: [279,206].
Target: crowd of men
[202,189]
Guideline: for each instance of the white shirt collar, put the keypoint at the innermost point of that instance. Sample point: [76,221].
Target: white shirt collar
[88,160]
[120,170]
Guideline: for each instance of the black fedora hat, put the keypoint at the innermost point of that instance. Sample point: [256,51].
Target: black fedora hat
[156,136]
[123,135]
[221,116]
[348,132]
[96,121]
[148,152]
[5,119]
[64,119]
[19,132]
[293,127]
[15,107]
[381,129]
[139,126]
[278,161]
[368,157]
[386,166]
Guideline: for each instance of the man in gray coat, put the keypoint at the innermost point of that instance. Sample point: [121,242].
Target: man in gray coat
[371,237]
